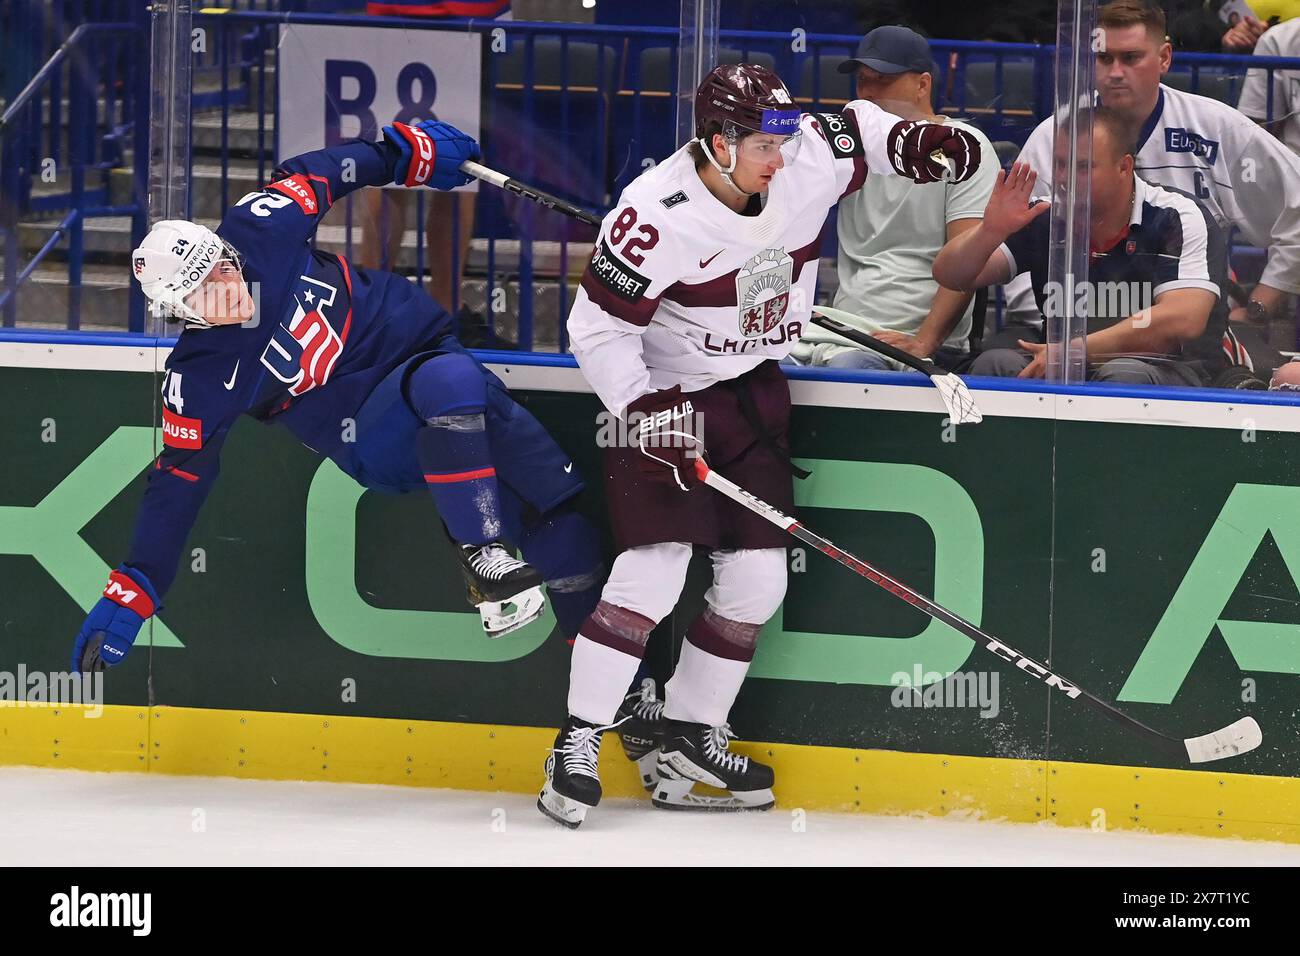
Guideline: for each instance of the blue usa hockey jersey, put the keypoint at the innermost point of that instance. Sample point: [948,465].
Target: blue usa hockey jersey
[325,333]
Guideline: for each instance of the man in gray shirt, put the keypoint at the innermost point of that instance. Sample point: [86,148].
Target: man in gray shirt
[890,231]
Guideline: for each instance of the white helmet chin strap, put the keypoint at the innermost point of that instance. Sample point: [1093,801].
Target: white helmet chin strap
[725,173]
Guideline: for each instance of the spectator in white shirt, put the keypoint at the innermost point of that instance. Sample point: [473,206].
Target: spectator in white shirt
[1284,122]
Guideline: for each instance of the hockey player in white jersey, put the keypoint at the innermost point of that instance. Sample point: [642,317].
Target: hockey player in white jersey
[1196,144]
[701,280]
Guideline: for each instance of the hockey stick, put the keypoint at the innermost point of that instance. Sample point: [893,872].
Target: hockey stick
[502,181]
[957,398]
[1238,737]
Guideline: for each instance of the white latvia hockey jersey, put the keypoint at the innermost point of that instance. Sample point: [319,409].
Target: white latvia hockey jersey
[1205,148]
[683,291]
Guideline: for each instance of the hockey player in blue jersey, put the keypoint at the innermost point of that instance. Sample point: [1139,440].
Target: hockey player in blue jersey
[363,368]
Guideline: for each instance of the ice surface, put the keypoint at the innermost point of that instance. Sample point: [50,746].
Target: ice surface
[65,817]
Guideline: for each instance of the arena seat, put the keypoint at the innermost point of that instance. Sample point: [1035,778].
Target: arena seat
[1216,84]
[821,83]
[1016,95]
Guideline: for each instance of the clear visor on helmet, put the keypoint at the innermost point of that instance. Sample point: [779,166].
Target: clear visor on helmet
[758,146]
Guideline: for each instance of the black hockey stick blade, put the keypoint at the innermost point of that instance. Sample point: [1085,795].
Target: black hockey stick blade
[502,181]
[956,397]
[1237,738]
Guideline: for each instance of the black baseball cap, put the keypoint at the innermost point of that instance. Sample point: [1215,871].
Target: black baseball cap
[891,49]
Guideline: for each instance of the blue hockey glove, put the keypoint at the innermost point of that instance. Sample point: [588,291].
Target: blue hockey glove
[114,622]
[430,154]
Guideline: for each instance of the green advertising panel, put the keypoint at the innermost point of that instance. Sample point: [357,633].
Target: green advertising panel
[1155,565]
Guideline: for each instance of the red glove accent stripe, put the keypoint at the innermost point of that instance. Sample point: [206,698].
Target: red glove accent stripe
[122,590]
[423,151]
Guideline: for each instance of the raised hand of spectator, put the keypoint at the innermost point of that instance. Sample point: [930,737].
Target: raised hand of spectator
[1008,210]
[1243,37]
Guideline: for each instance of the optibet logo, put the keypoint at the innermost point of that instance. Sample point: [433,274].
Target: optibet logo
[76,909]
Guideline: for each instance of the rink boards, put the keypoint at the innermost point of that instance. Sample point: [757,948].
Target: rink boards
[1148,547]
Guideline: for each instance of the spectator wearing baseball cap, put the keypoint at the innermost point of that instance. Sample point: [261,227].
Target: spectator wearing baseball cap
[891,50]
[890,231]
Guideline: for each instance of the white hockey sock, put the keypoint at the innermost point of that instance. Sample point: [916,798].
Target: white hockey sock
[703,687]
[598,680]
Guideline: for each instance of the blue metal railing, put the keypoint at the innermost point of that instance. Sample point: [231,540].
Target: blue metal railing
[579,109]
[32,145]
[71,124]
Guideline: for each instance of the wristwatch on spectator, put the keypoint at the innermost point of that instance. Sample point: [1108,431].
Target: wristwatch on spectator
[1256,311]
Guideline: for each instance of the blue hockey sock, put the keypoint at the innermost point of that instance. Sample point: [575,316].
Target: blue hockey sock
[450,393]
[457,464]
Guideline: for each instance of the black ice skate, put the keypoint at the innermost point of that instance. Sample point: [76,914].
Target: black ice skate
[572,782]
[506,591]
[696,753]
[641,731]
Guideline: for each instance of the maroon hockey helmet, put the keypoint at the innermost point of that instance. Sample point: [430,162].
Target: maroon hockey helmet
[745,96]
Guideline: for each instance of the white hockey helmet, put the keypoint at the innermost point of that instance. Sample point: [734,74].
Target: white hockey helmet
[172,262]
